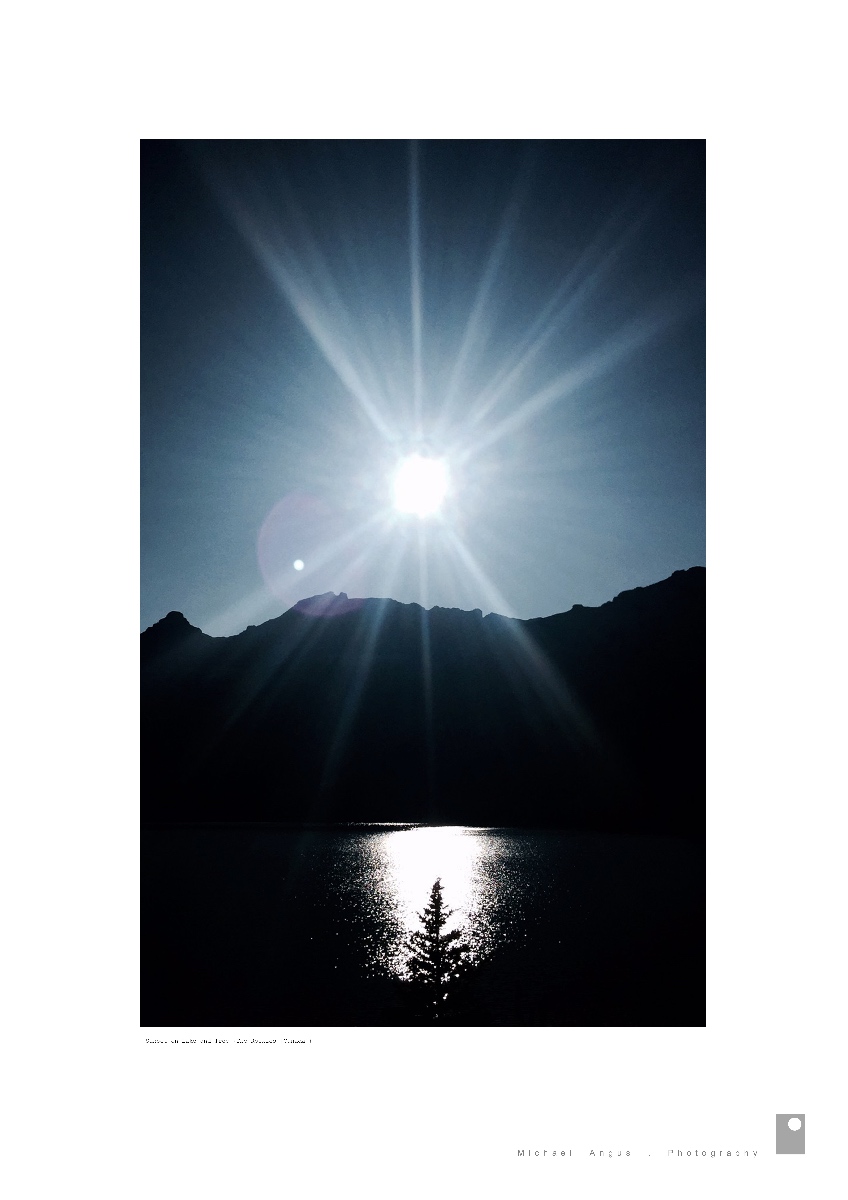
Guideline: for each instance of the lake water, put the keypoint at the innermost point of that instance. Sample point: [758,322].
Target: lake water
[263,926]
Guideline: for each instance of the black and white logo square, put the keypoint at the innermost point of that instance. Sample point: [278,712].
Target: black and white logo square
[790,1133]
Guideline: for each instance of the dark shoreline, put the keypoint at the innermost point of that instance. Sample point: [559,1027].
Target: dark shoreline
[301,826]
[405,826]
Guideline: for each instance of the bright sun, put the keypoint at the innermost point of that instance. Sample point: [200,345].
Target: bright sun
[420,485]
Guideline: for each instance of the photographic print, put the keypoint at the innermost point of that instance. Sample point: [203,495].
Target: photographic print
[423,583]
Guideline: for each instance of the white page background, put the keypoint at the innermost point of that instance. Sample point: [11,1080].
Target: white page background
[99,1110]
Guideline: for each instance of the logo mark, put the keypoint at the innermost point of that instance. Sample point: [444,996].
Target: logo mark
[789,1136]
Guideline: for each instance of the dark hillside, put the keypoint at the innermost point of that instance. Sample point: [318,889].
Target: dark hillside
[371,710]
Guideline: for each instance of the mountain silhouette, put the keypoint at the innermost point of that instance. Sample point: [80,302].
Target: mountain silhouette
[361,710]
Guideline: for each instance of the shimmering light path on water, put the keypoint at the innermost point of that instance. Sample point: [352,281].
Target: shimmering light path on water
[402,867]
[306,926]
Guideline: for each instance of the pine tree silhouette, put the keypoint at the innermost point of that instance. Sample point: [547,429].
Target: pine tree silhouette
[437,960]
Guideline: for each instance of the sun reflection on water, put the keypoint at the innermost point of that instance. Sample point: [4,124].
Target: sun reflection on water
[406,863]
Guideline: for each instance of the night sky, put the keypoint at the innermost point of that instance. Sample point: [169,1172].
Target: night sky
[532,313]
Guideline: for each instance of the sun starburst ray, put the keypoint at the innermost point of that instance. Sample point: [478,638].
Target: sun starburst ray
[479,324]
[591,268]
[374,619]
[631,337]
[540,672]
[301,278]
[426,663]
[415,287]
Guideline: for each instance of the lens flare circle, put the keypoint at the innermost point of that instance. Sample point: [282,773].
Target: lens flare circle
[420,485]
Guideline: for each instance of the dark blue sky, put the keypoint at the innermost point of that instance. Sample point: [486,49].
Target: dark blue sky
[533,312]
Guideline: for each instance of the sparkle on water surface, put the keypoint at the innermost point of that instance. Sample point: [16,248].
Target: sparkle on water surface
[404,864]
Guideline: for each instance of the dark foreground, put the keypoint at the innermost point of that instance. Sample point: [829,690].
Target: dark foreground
[263,926]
